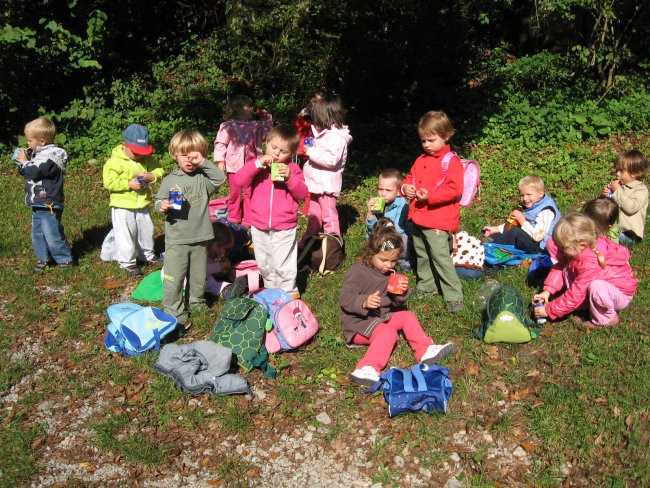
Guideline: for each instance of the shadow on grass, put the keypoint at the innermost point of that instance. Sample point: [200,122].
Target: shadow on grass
[92,238]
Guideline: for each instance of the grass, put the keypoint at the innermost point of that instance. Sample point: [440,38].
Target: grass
[577,399]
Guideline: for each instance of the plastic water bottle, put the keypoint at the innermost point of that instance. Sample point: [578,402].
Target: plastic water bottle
[484,292]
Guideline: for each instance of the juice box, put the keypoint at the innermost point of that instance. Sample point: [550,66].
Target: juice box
[393,284]
[274,172]
[176,198]
[379,206]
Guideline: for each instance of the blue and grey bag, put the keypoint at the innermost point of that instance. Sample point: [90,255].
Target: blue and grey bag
[423,387]
[135,329]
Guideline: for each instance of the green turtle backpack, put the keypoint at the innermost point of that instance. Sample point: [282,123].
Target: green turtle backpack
[241,328]
[505,318]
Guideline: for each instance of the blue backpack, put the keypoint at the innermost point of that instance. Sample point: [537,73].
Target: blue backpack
[505,254]
[423,387]
[134,329]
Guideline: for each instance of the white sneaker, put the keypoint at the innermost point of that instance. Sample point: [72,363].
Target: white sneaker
[365,376]
[436,352]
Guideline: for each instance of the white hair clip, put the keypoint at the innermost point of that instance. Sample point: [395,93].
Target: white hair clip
[387,246]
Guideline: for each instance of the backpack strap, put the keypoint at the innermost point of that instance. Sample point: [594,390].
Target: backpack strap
[445,167]
[416,370]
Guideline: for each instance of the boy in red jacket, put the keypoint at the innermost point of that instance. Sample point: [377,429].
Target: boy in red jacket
[435,211]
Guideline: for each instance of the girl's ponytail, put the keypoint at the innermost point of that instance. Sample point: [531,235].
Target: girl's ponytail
[601,258]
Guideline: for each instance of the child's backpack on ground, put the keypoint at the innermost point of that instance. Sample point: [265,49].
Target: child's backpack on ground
[472,178]
[423,387]
[241,328]
[505,255]
[505,318]
[134,329]
[292,321]
[323,253]
[249,269]
[218,208]
[538,270]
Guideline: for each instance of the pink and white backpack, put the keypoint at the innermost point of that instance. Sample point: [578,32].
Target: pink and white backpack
[293,322]
[472,178]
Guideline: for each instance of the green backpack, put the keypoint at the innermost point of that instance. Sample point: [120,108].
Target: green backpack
[241,328]
[505,318]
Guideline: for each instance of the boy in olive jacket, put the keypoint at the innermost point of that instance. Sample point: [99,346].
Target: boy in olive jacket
[127,174]
[183,195]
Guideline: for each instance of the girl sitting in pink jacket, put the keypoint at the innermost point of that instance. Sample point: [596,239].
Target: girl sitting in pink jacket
[327,152]
[274,208]
[594,271]
[239,139]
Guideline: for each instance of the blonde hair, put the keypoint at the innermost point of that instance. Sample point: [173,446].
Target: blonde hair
[392,173]
[634,162]
[384,237]
[533,181]
[286,133]
[574,229]
[41,128]
[436,122]
[187,141]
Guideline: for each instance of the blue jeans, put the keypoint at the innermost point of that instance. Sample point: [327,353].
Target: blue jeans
[48,238]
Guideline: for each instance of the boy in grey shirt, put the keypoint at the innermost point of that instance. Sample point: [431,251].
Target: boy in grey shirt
[183,195]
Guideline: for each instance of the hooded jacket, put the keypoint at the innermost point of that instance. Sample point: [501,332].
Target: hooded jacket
[632,199]
[238,141]
[327,157]
[274,204]
[584,269]
[44,177]
[360,281]
[119,169]
[441,210]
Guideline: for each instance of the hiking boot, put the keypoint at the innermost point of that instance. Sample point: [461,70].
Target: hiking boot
[133,271]
[455,306]
[365,376]
[39,267]
[437,352]
[237,289]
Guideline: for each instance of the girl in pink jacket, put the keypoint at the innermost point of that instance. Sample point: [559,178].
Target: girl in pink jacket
[277,186]
[327,152]
[594,270]
[239,139]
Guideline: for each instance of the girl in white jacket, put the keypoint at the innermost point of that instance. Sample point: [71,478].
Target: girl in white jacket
[327,152]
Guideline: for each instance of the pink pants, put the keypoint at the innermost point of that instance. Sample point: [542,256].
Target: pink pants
[235,202]
[322,215]
[605,300]
[383,339]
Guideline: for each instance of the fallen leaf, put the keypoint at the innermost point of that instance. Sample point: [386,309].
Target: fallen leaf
[112,285]
[533,374]
[215,482]
[492,352]
[601,401]
[629,421]
[528,447]
[471,368]
[599,440]
[617,412]
[252,472]
[274,455]
[518,395]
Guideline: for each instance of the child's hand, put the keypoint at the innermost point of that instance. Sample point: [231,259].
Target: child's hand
[148,177]
[134,184]
[607,190]
[541,297]
[614,185]
[540,311]
[266,160]
[222,166]
[422,195]
[518,215]
[371,203]
[196,158]
[165,205]
[409,191]
[20,155]
[372,301]
[489,230]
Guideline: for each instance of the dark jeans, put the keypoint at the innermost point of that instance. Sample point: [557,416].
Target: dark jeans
[518,238]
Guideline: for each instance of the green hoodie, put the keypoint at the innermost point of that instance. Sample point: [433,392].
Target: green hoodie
[119,169]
